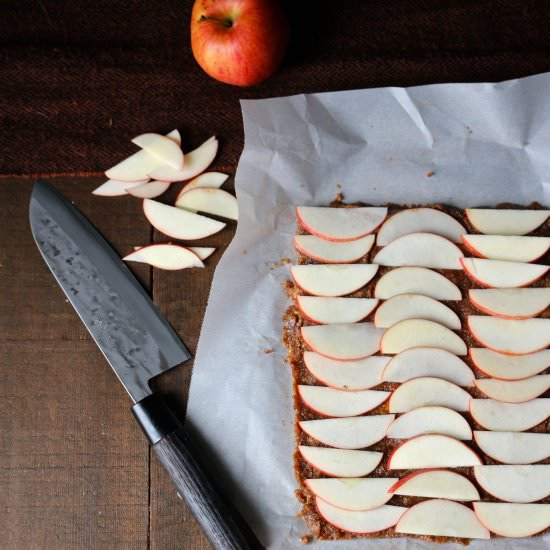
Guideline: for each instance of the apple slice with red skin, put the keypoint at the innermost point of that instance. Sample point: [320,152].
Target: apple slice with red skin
[332,280]
[424,361]
[341,462]
[162,148]
[330,252]
[213,180]
[514,391]
[339,403]
[507,247]
[415,306]
[344,341]
[419,220]
[355,494]
[514,447]
[178,223]
[202,252]
[414,333]
[355,432]
[117,188]
[509,417]
[340,224]
[430,420]
[513,520]
[496,221]
[441,518]
[165,256]
[502,274]
[210,201]
[416,280]
[510,336]
[510,303]
[149,190]
[432,451]
[436,483]
[362,374]
[509,367]
[330,309]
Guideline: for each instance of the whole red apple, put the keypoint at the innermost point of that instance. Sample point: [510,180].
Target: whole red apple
[239,42]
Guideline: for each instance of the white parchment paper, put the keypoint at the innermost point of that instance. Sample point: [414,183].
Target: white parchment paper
[482,143]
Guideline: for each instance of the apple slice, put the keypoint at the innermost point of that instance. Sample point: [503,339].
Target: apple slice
[341,462]
[349,433]
[507,247]
[202,252]
[210,201]
[441,518]
[214,180]
[178,223]
[514,391]
[419,220]
[148,190]
[513,520]
[427,391]
[502,274]
[340,403]
[355,494]
[430,420]
[165,256]
[420,250]
[330,252]
[346,375]
[345,341]
[436,483]
[416,280]
[414,333]
[194,163]
[439,363]
[117,188]
[415,306]
[162,148]
[369,521]
[432,451]
[510,336]
[509,417]
[333,280]
[509,367]
[493,221]
[514,447]
[326,310]
[511,303]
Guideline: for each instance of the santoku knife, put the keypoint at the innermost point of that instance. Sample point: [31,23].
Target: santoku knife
[137,342]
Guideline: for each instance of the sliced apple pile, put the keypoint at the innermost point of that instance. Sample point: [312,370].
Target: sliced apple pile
[421,250]
[436,483]
[165,256]
[513,520]
[164,149]
[331,252]
[210,201]
[509,367]
[509,417]
[511,303]
[502,274]
[416,280]
[341,462]
[148,190]
[506,222]
[326,310]
[507,247]
[514,391]
[514,447]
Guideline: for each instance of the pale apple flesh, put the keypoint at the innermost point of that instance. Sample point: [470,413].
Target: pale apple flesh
[330,309]
[493,221]
[210,201]
[165,256]
[511,303]
[341,462]
[509,417]
[502,274]
[332,252]
[509,367]
[507,247]
[213,180]
[514,447]
[117,188]
[514,391]
[162,148]
[513,520]
[149,190]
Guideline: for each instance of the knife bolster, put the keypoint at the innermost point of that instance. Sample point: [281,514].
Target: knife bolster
[155,418]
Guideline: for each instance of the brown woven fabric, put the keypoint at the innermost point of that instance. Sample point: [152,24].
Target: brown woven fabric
[79,79]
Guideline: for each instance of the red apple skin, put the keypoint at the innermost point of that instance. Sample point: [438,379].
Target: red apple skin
[239,42]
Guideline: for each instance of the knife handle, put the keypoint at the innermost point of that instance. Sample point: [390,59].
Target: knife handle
[222,524]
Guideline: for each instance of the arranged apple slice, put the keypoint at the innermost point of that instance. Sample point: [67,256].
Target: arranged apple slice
[428,392]
[442,518]
[202,252]
[439,363]
[513,520]
[493,221]
[165,256]
[340,403]
[213,180]
[430,420]
[416,280]
[432,451]
[326,310]
[436,483]
[148,190]
[419,220]
[415,306]
[178,223]
[510,336]
[341,462]
[162,148]
[511,303]
[502,274]
[509,417]
[332,280]
[355,494]
[507,247]
[345,341]
[348,433]
[514,447]
[514,391]
[194,163]
[117,188]
[369,521]
[509,367]
[210,201]
[414,333]
[346,375]
[331,252]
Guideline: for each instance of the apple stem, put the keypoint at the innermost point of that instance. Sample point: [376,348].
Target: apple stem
[224,21]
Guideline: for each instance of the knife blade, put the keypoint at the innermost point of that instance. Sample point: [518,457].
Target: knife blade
[137,342]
